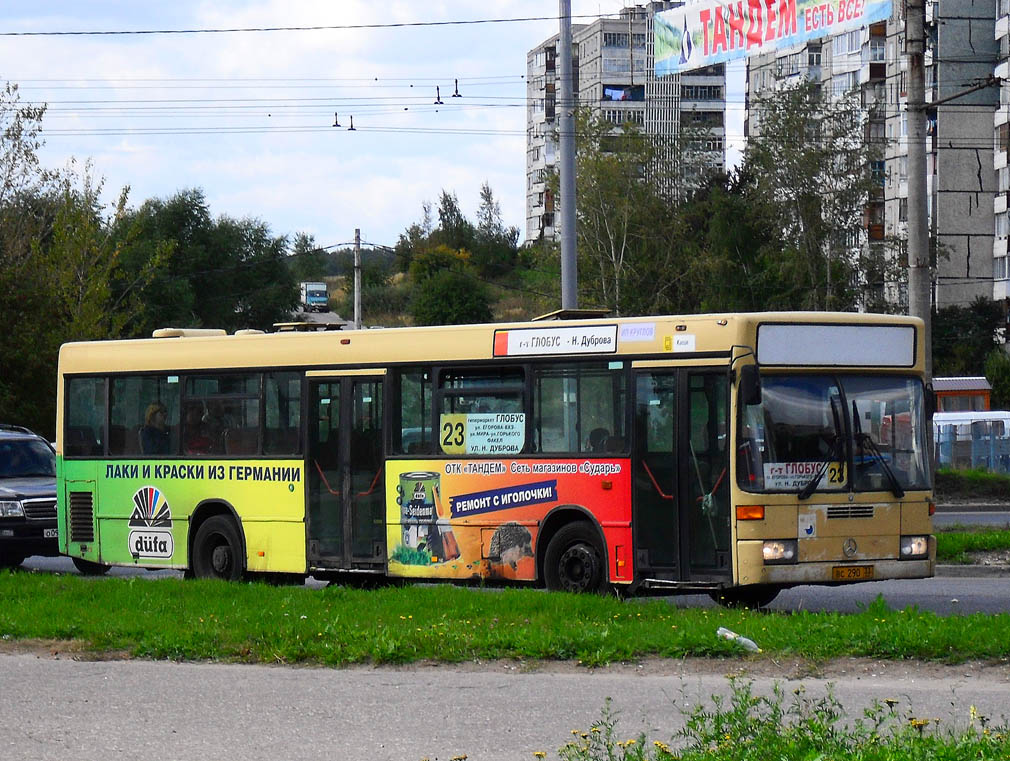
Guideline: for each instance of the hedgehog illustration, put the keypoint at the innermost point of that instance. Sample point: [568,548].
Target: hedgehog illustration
[510,543]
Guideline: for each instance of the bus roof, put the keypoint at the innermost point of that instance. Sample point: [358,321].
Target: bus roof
[703,337]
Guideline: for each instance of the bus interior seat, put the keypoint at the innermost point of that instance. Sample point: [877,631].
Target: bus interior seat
[241,440]
[81,441]
[597,439]
[281,441]
[614,444]
[118,440]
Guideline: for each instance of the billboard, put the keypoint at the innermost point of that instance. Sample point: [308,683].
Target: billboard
[714,31]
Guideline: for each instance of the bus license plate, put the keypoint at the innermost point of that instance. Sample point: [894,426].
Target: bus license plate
[50,533]
[851,572]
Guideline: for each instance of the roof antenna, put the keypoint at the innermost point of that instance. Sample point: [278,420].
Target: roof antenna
[438,97]
[336,121]
[351,128]
[456,94]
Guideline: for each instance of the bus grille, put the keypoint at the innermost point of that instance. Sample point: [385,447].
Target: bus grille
[850,511]
[40,509]
[82,523]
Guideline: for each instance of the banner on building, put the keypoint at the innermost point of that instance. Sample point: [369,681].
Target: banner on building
[714,31]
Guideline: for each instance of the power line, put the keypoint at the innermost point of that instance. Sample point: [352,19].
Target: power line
[312,28]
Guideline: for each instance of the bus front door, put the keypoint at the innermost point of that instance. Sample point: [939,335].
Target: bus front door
[345,485]
[681,492]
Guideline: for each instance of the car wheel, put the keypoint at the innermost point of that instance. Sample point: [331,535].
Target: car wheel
[11,559]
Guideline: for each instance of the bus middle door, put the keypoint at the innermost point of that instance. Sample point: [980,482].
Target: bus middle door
[345,501]
[681,481]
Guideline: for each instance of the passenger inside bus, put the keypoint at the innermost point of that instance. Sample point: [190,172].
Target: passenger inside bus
[154,434]
[197,437]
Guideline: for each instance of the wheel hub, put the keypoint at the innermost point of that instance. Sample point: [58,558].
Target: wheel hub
[220,559]
[577,568]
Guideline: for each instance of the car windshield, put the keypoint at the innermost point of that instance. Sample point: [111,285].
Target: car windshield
[832,433]
[23,458]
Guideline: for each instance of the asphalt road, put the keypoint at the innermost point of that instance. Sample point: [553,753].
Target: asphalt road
[987,519]
[54,708]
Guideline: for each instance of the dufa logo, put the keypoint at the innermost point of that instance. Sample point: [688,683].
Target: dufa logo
[151,525]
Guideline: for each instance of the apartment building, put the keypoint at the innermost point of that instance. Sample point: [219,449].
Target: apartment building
[961,189]
[614,76]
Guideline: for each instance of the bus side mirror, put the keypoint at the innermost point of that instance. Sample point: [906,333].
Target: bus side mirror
[750,385]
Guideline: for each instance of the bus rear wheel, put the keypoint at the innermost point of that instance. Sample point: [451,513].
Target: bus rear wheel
[754,596]
[574,561]
[217,550]
[90,568]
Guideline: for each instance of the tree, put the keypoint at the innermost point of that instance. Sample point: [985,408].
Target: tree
[225,273]
[451,297]
[308,261]
[997,372]
[813,169]
[495,246]
[963,337]
[735,253]
[631,260]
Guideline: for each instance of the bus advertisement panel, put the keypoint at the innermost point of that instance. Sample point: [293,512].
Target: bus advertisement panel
[480,518]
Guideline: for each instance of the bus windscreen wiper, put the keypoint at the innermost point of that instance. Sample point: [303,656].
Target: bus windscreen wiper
[807,490]
[866,442]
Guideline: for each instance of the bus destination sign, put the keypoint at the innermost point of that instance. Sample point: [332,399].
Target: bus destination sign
[521,342]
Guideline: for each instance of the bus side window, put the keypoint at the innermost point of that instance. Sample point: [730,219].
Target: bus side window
[85,417]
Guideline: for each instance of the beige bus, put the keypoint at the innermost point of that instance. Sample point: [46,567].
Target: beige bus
[732,454]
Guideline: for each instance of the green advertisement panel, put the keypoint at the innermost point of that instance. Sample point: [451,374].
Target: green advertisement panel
[142,509]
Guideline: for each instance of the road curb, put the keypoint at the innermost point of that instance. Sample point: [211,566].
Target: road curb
[973,571]
[972,507]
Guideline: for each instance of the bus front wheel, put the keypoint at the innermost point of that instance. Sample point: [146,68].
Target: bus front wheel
[754,596]
[574,561]
[217,550]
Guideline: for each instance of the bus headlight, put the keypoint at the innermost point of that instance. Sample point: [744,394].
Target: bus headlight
[779,551]
[914,547]
[11,510]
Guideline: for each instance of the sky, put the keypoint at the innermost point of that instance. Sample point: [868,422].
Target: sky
[248,116]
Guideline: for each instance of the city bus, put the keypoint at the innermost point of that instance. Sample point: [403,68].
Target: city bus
[734,454]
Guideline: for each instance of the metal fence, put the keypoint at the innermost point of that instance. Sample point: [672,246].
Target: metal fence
[982,444]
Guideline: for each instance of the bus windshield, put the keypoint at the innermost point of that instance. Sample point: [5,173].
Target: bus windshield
[833,433]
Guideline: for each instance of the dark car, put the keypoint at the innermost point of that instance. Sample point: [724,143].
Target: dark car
[27,496]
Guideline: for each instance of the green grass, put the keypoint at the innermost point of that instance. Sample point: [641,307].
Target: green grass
[954,546]
[749,727]
[193,620]
[971,485]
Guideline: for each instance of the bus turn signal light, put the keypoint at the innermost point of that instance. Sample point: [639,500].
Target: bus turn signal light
[750,512]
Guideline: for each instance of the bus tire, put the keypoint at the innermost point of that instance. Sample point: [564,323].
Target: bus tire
[90,568]
[754,596]
[574,560]
[217,550]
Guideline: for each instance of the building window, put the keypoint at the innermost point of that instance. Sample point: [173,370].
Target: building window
[999,269]
[902,209]
[1002,228]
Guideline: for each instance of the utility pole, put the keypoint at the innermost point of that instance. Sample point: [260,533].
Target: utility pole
[919,284]
[566,125]
[357,278]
